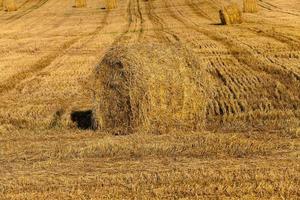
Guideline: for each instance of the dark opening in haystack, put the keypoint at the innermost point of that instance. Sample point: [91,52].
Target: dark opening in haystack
[84,119]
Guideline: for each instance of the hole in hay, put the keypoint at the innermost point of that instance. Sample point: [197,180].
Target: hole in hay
[103,8]
[84,119]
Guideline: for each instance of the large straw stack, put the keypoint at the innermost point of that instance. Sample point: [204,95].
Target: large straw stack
[250,6]
[151,88]
[80,3]
[9,5]
[231,15]
[111,4]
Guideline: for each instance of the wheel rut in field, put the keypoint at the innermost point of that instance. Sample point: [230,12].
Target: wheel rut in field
[44,62]
[293,42]
[197,9]
[135,24]
[271,7]
[233,95]
[235,49]
[160,25]
[26,11]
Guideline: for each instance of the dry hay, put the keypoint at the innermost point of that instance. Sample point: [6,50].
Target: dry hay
[250,6]
[80,3]
[1,3]
[231,15]
[150,87]
[9,5]
[111,4]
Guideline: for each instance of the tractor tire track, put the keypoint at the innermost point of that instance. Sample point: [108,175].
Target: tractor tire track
[27,11]
[255,65]
[252,64]
[159,25]
[252,61]
[42,63]
[135,24]
[198,10]
[293,43]
[140,15]
[271,7]
[45,61]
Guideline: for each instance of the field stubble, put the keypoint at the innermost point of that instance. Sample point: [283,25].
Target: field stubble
[192,165]
[160,57]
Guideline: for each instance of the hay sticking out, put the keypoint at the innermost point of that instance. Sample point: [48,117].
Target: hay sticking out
[250,6]
[231,15]
[80,3]
[9,5]
[111,4]
[152,88]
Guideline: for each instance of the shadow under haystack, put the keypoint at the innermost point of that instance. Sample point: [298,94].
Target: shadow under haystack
[150,87]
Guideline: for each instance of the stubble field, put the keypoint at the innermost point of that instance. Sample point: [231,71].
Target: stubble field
[214,110]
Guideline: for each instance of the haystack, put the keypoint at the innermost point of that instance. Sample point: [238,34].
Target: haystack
[9,5]
[150,87]
[80,3]
[231,15]
[111,4]
[250,6]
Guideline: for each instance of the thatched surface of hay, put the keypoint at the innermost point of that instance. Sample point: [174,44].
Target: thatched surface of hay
[80,3]
[150,87]
[250,6]
[231,15]
[9,5]
[111,4]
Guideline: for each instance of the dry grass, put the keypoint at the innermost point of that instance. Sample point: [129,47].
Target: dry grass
[231,14]
[239,70]
[194,165]
[214,110]
[250,6]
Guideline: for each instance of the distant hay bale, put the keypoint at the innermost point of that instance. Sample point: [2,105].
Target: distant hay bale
[250,6]
[9,5]
[111,4]
[150,87]
[231,15]
[80,3]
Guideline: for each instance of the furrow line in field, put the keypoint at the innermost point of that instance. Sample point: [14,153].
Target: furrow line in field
[271,7]
[26,11]
[253,61]
[45,61]
[159,24]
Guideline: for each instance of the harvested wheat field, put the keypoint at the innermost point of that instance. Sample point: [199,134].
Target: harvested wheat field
[150,99]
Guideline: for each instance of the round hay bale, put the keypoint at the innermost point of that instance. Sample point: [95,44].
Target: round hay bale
[9,5]
[152,88]
[231,14]
[80,3]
